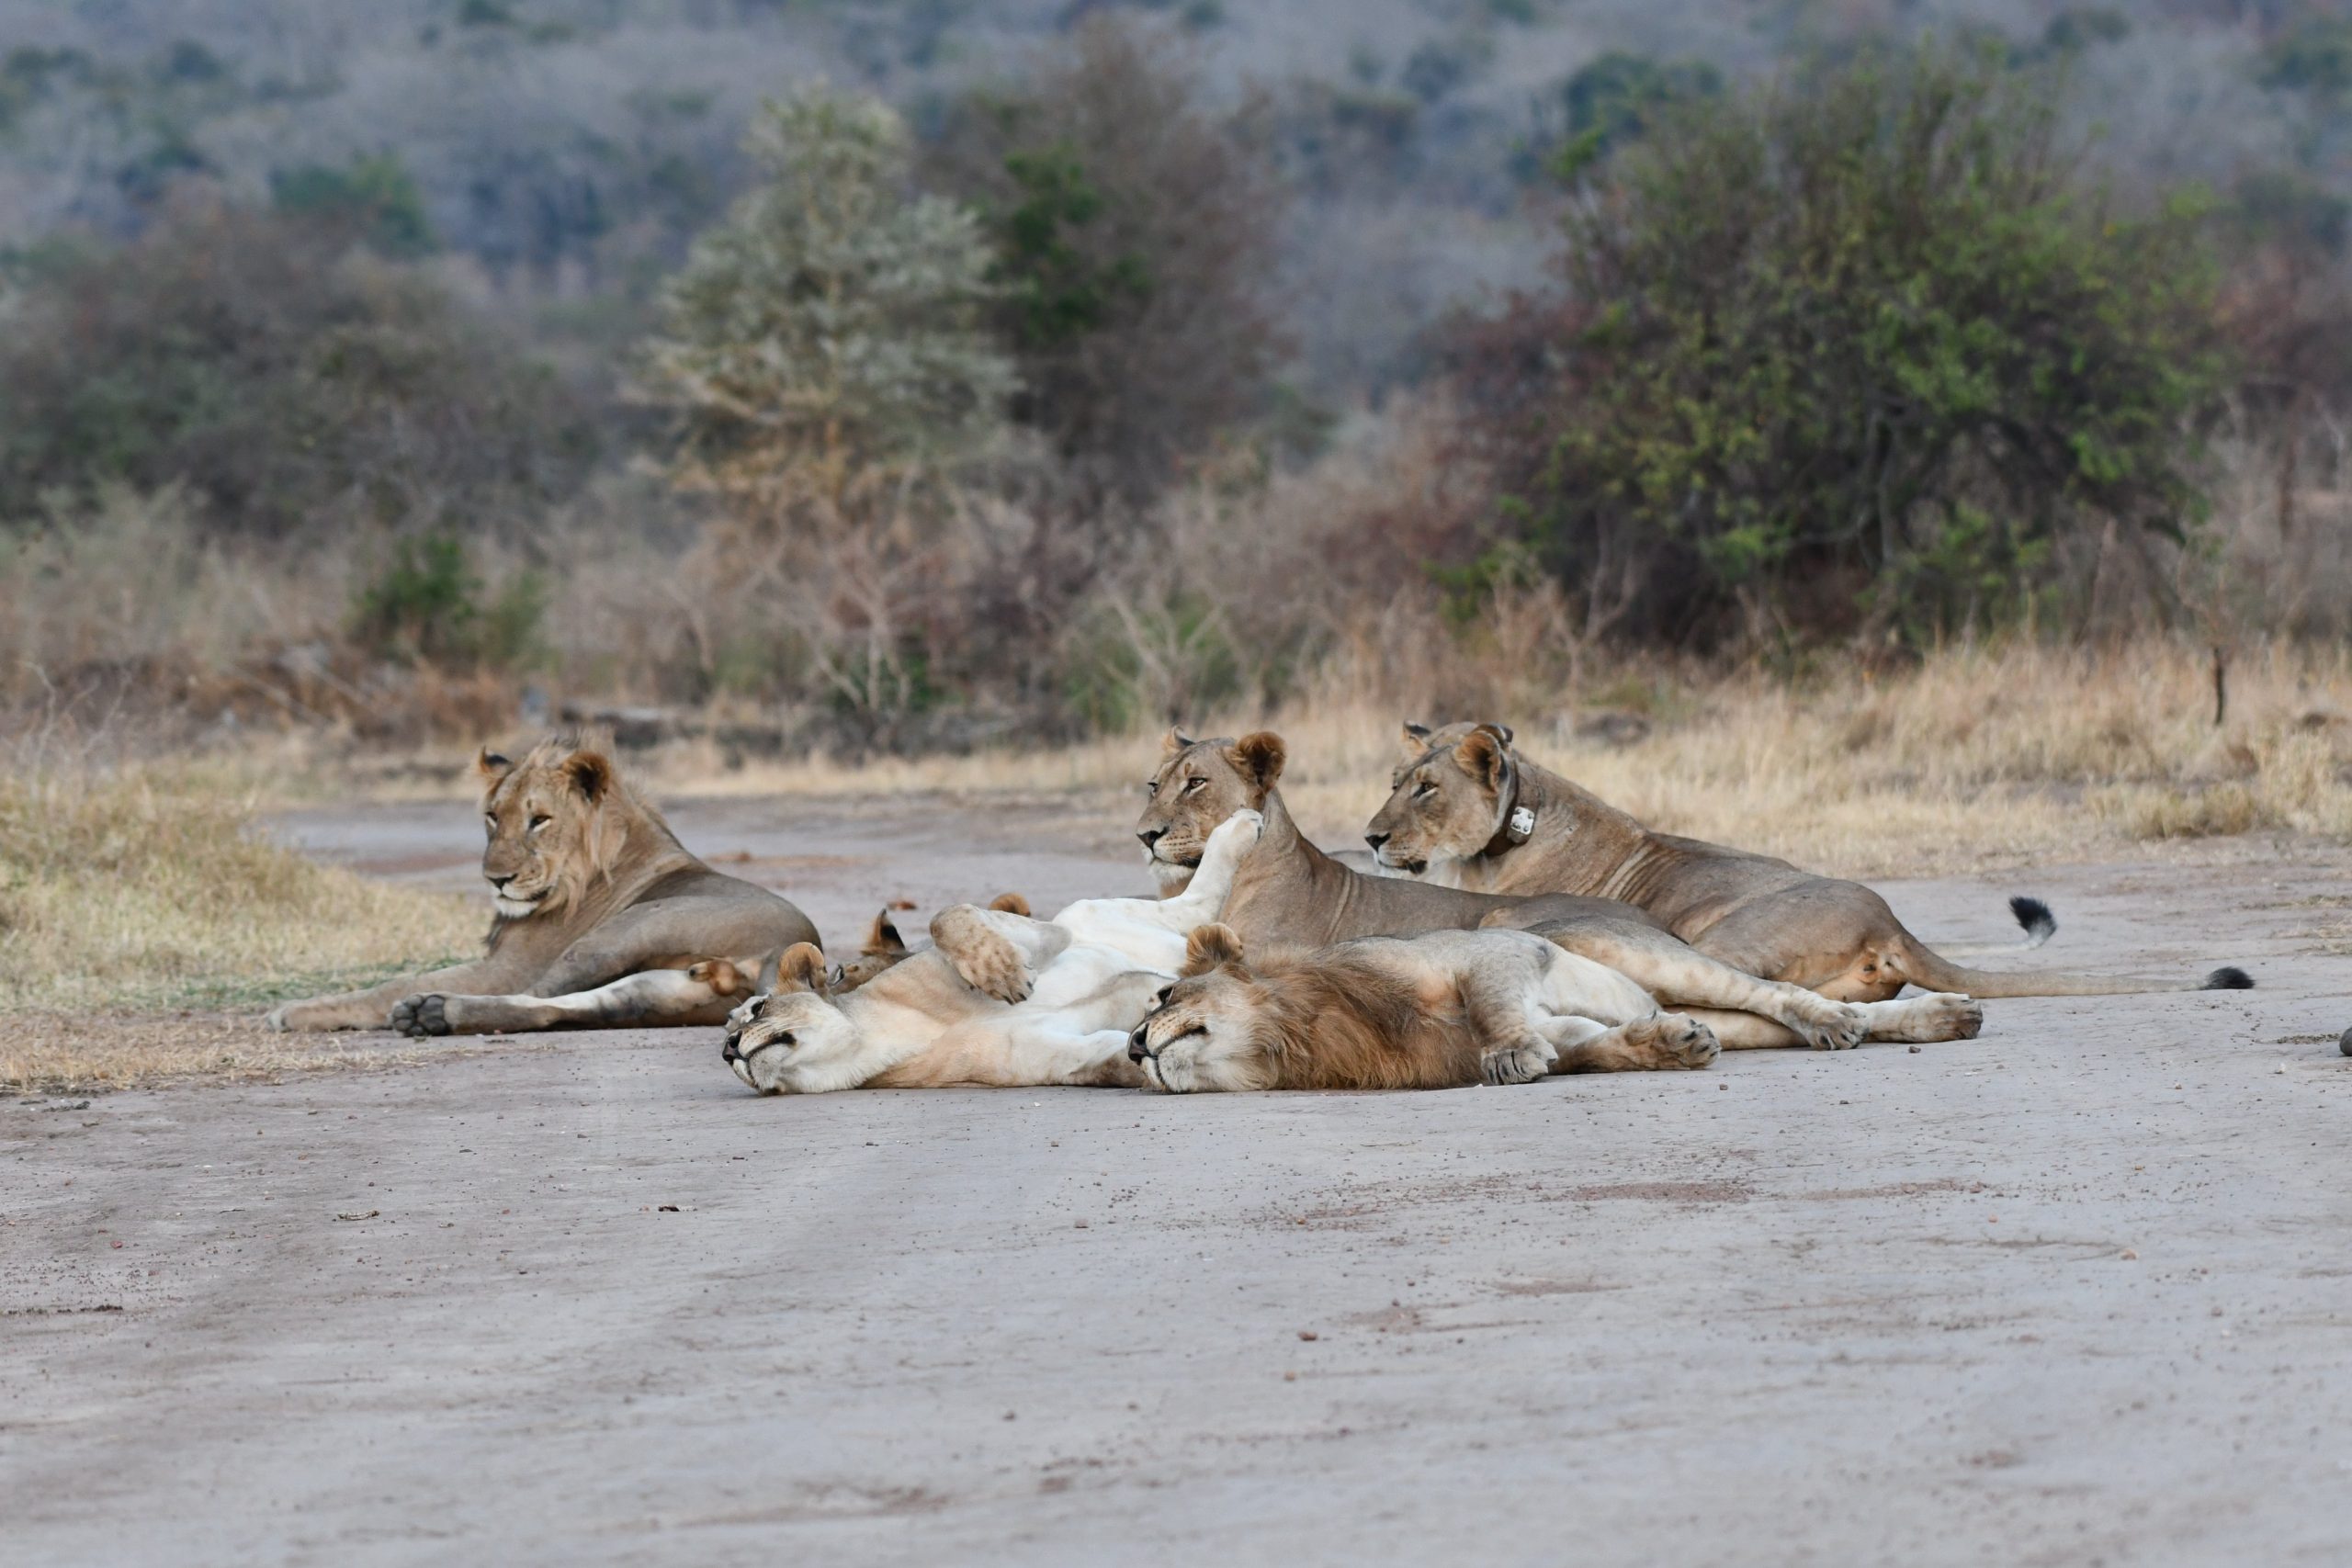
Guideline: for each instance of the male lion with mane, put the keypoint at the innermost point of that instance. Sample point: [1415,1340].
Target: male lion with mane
[1468,811]
[1437,1012]
[604,919]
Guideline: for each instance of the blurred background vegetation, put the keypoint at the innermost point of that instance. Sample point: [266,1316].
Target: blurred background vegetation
[907,376]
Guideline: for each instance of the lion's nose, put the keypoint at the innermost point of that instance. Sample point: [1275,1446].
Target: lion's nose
[499,882]
[727,1053]
[1151,836]
[1375,840]
[1137,1050]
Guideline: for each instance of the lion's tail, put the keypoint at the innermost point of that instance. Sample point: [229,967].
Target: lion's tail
[1923,966]
[2033,917]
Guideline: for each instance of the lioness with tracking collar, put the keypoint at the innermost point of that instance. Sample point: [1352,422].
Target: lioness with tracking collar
[1291,893]
[1468,810]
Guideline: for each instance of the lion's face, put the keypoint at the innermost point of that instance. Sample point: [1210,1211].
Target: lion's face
[1202,1034]
[553,819]
[792,1040]
[1200,783]
[1446,801]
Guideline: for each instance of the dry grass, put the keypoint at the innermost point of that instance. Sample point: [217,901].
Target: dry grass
[149,889]
[1974,758]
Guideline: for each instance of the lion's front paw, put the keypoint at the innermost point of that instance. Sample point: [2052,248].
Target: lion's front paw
[1833,1026]
[277,1020]
[421,1017]
[1522,1063]
[1674,1040]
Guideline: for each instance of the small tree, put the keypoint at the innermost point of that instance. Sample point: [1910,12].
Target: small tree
[828,339]
[1856,348]
[1137,229]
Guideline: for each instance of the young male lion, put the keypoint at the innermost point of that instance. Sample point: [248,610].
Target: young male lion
[1467,808]
[1435,1011]
[1000,1000]
[604,919]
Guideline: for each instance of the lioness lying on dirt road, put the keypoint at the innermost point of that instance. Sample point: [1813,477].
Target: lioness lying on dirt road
[1291,893]
[1468,810]
[999,999]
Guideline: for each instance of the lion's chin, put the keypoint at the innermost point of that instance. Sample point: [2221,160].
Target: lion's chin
[511,909]
[1172,874]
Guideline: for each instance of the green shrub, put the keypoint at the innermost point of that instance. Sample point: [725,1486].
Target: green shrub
[1854,348]
[426,604]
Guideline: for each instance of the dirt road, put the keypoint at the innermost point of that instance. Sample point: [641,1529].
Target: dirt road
[2077,1292]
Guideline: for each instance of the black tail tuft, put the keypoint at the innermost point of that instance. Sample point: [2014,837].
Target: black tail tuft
[2229,978]
[2035,917]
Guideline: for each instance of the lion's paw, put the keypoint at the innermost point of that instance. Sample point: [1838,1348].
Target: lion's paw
[1675,1041]
[275,1022]
[1943,1015]
[996,971]
[1523,1063]
[1833,1026]
[421,1017]
[1690,1042]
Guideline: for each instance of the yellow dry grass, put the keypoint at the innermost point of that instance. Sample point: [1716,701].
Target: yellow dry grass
[1975,757]
[148,891]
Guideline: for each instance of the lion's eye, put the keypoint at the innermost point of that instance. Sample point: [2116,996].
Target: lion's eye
[490,822]
[1426,788]
[539,822]
[1192,784]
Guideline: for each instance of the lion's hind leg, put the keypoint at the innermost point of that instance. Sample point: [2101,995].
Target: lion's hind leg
[996,953]
[702,994]
[1923,1019]
[1679,975]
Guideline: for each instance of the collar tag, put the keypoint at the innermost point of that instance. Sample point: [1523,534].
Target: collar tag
[1522,825]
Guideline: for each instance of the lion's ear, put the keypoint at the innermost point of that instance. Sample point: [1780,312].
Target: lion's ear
[1504,730]
[1260,757]
[1416,737]
[591,773]
[1481,755]
[802,969]
[490,766]
[1175,740]
[883,936]
[1210,947]
[1009,904]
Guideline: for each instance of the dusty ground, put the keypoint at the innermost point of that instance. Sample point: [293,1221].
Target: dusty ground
[2077,1292]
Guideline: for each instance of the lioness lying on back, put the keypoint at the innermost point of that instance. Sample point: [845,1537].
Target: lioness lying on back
[1436,1011]
[1468,811]
[604,918]
[999,999]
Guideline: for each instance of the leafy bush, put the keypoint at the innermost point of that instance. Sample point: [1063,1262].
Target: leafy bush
[373,199]
[1136,229]
[426,604]
[1853,349]
[284,382]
